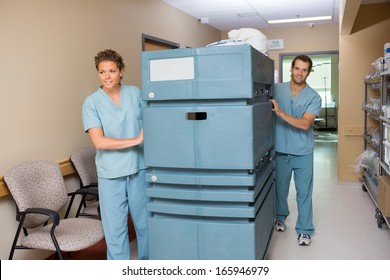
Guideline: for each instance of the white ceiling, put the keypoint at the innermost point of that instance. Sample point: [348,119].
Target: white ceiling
[226,15]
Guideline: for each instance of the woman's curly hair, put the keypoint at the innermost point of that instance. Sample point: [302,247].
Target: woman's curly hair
[109,55]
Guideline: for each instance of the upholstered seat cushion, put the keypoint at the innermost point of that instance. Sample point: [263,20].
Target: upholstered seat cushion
[91,209]
[72,235]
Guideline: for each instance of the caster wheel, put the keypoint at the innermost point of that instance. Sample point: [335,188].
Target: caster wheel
[379,218]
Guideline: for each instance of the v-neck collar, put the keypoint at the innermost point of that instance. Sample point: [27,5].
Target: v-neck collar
[110,99]
[298,93]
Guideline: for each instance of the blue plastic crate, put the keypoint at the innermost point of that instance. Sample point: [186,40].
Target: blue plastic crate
[229,72]
[206,208]
[228,137]
[174,237]
[208,186]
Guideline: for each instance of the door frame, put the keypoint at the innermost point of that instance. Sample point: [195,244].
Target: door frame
[158,41]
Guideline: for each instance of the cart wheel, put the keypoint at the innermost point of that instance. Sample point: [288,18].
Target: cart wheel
[379,218]
[364,188]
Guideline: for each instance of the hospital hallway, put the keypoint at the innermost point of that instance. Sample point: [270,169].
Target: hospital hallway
[344,218]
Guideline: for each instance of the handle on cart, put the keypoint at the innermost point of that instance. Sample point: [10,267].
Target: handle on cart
[196,116]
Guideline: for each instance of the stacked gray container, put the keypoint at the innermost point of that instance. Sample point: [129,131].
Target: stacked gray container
[209,147]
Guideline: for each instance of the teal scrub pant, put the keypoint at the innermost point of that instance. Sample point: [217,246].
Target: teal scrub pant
[302,167]
[117,197]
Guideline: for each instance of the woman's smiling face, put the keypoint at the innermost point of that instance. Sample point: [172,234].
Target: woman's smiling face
[109,74]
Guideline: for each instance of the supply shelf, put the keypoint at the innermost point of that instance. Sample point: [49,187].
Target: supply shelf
[376,137]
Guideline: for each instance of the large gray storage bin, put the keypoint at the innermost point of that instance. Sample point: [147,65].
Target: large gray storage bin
[208,129]
[229,137]
[229,204]
[209,186]
[184,237]
[229,72]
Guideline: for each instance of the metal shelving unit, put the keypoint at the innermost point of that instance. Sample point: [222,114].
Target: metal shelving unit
[375,97]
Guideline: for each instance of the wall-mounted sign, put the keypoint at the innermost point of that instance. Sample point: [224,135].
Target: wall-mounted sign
[276,44]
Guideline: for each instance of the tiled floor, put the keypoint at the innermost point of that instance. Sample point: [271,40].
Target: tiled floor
[344,217]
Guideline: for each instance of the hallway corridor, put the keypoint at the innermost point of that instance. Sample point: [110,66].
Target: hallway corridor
[344,217]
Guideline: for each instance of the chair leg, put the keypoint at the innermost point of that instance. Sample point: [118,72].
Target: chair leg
[59,254]
[55,242]
[69,207]
[82,203]
[11,254]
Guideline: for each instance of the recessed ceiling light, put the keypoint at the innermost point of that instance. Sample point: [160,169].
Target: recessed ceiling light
[298,19]
[248,14]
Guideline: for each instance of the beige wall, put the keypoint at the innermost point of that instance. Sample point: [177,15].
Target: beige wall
[357,51]
[46,57]
[47,50]
[302,39]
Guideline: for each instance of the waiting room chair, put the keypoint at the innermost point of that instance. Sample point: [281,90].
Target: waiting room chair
[83,161]
[39,191]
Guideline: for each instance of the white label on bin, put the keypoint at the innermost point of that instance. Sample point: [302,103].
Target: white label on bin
[172,69]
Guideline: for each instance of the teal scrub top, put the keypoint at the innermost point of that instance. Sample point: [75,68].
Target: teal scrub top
[289,139]
[124,121]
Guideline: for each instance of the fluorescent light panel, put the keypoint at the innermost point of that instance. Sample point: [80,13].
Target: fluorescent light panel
[298,19]
[249,14]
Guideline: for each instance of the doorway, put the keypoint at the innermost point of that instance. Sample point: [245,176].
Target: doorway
[324,79]
[151,43]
